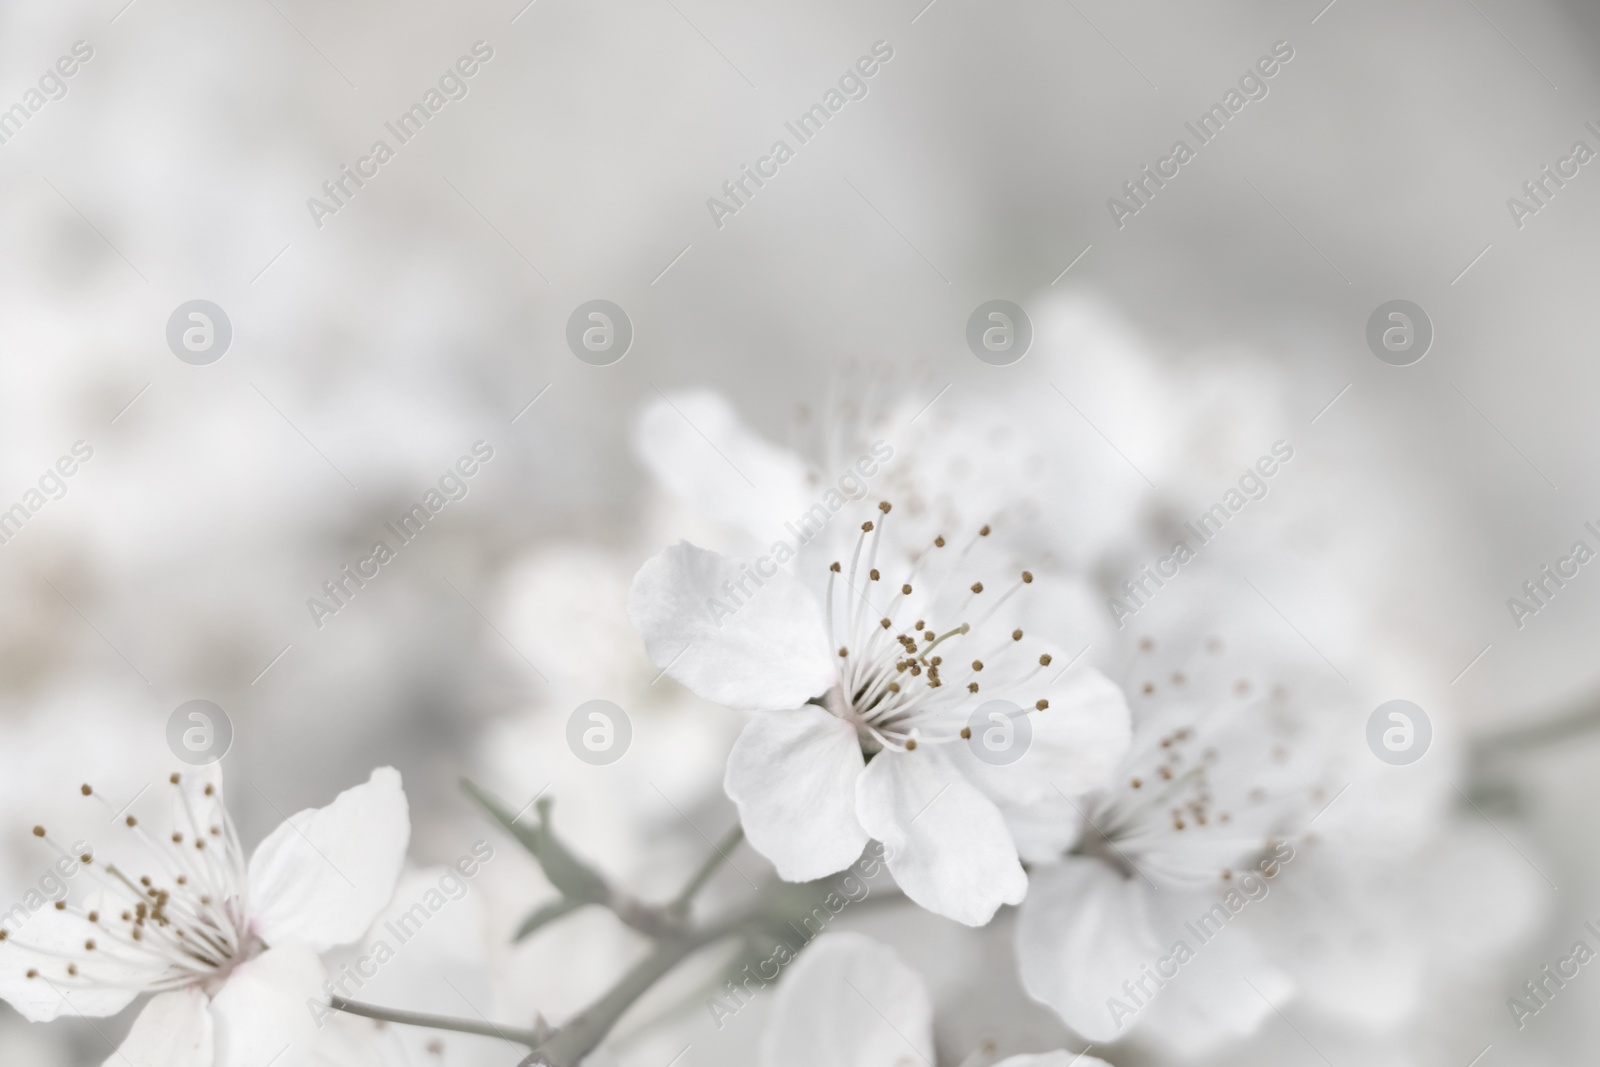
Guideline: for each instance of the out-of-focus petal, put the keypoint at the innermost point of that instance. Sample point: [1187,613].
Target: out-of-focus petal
[695,445]
[1058,1058]
[761,650]
[1076,742]
[849,1001]
[1083,931]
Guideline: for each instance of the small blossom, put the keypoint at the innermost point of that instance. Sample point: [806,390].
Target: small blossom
[850,1000]
[1201,821]
[863,691]
[229,948]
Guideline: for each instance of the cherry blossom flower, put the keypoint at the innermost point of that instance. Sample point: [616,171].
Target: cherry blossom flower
[228,948]
[943,463]
[865,684]
[1133,930]
[850,1001]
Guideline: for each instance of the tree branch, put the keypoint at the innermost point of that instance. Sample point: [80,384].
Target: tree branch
[556,909]
[578,1037]
[1573,723]
[576,881]
[771,912]
[730,841]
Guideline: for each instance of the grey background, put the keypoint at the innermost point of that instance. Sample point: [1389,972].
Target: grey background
[371,352]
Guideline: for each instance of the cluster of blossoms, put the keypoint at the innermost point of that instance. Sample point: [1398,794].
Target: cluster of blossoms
[1121,856]
[1149,814]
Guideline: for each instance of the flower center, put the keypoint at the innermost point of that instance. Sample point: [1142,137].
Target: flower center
[1214,777]
[182,924]
[918,649]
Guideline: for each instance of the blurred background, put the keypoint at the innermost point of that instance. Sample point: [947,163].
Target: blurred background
[381,331]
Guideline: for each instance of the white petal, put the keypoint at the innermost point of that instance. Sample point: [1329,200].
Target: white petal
[1210,1003]
[173,1030]
[948,847]
[1366,936]
[1077,741]
[768,654]
[1086,935]
[442,917]
[321,878]
[48,935]
[1082,932]
[1058,1058]
[849,1001]
[1043,831]
[695,445]
[793,775]
[264,1013]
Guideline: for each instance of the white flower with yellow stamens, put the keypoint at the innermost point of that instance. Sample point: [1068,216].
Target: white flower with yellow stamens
[1134,932]
[228,948]
[864,684]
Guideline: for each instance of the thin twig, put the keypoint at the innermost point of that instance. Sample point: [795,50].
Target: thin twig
[529,1038]
[583,1032]
[577,880]
[1555,728]
[720,851]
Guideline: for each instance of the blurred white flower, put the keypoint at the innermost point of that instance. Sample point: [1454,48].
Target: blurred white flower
[1132,930]
[229,949]
[960,460]
[1401,907]
[850,1001]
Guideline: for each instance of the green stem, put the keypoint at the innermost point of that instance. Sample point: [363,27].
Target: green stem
[577,881]
[568,1046]
[1555,728]
[729,842]
[777,905]
[579,1036]
[436,1022]
[770,910]
[584,1031]
[546,915]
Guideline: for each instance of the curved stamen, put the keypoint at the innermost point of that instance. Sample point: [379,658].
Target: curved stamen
[151,934]
[892,680]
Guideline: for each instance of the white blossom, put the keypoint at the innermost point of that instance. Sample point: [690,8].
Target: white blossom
[227,948]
